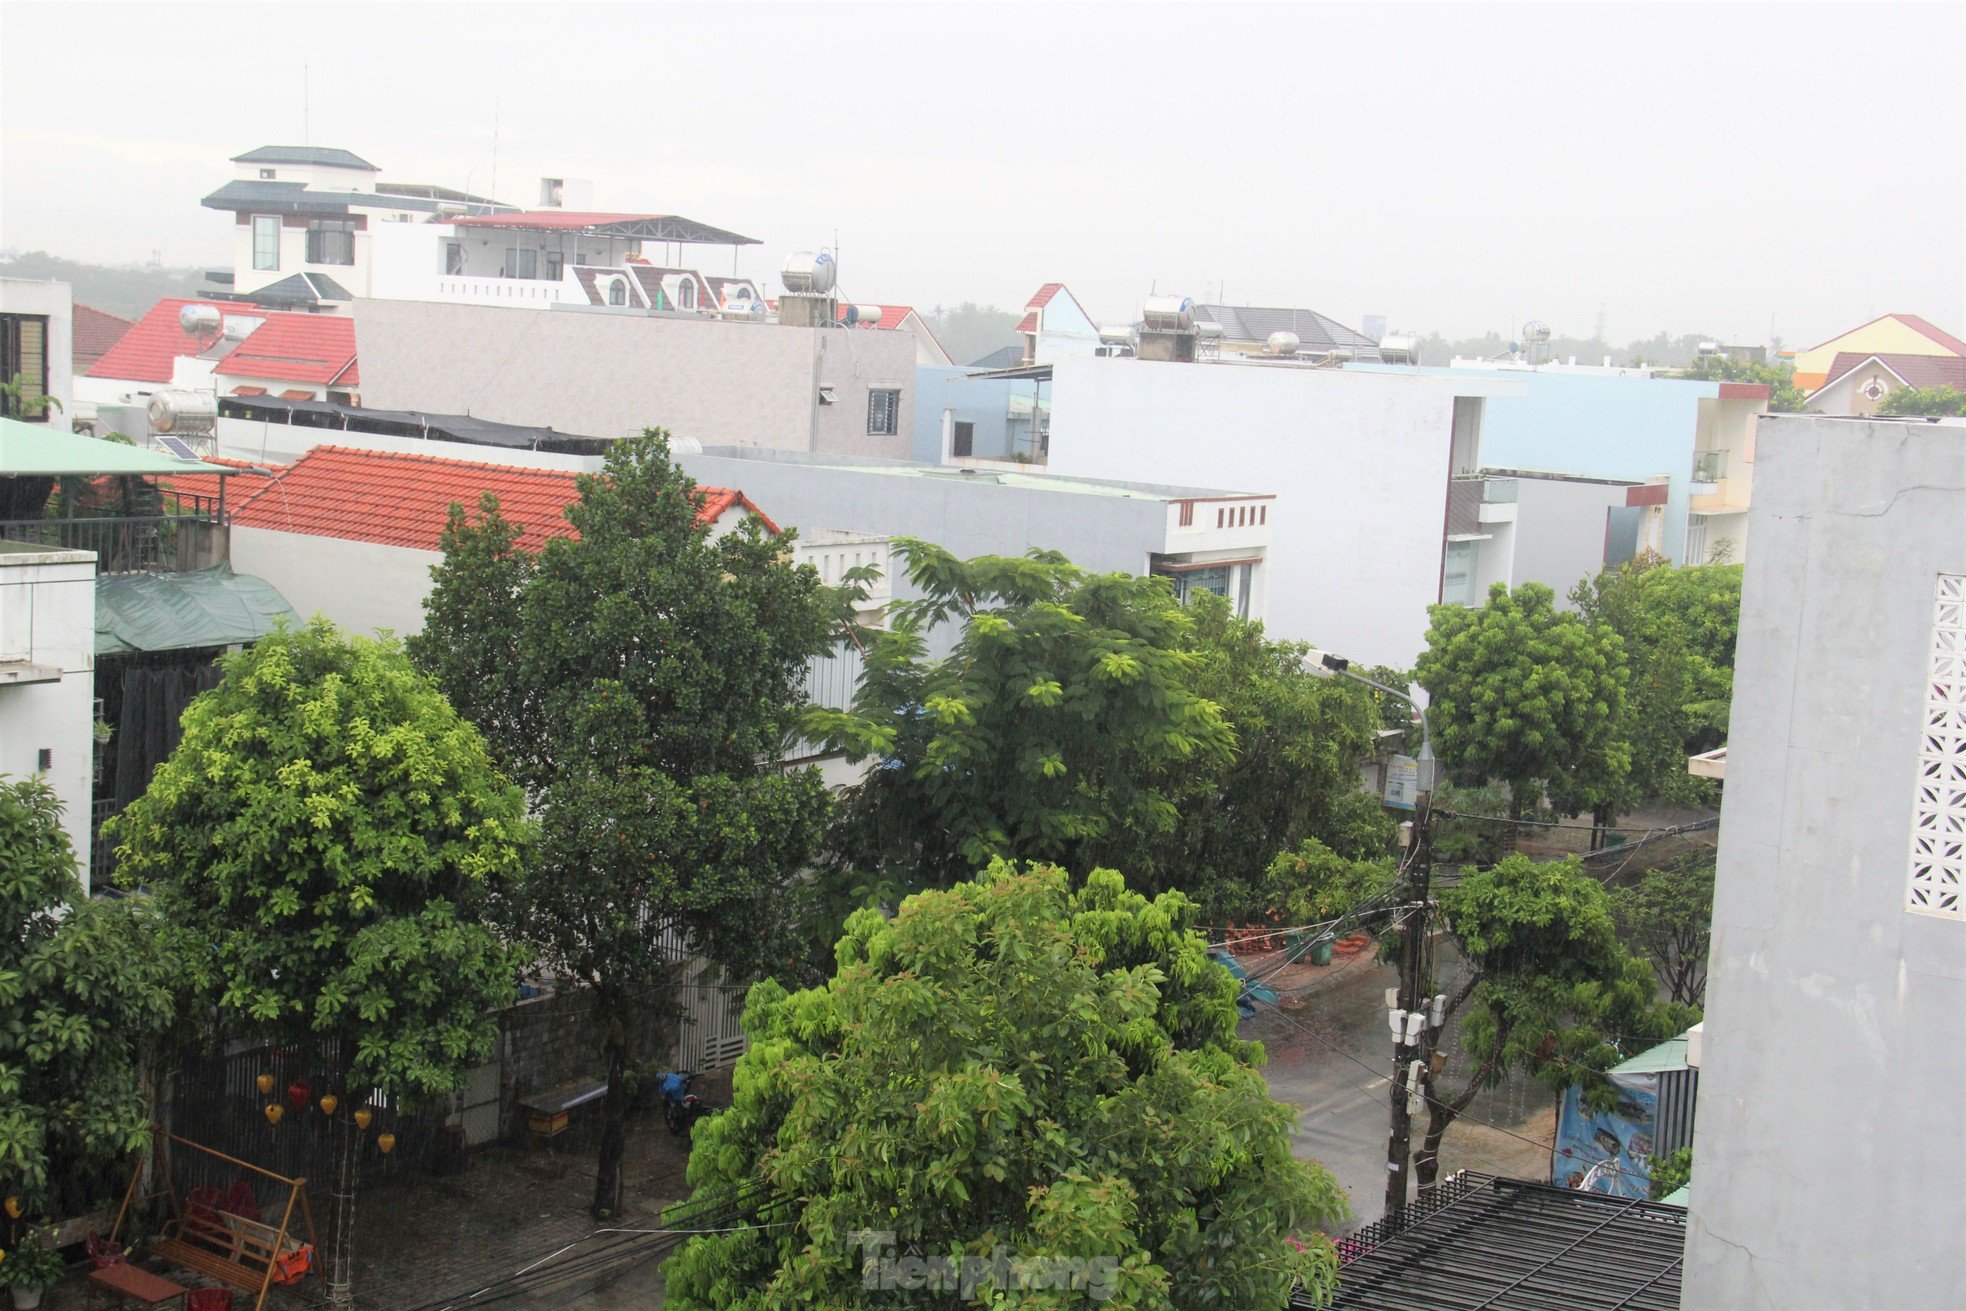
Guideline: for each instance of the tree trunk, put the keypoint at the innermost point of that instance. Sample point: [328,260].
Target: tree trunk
[1441,1115]
[614,1127]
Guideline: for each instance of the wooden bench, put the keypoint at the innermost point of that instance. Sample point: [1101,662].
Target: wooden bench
[126,1281]
[225,1246]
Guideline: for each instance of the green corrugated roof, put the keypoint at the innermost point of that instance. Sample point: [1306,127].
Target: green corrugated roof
[169,612]
[1668,1055]
[35,450]
[1680,1196]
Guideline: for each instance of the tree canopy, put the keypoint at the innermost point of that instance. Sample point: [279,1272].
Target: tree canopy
[1529,696]
[1667,917]
[1924,402]
[330,837]
[1784,397]
[1051,730]
[84,985]
[640,680]
[1550,990]
[1009,1067]
[1677,627]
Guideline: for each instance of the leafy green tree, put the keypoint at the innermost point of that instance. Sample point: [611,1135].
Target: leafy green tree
[1313,883]
[1549,992]
[1010,1066]
[1667,917]
[1784,397]
[84,987]
[1051,731]
[1925,402]
[1293,777]
[1529,696]
[332,837]
[640,680]
[1678,628]
[1672,1172]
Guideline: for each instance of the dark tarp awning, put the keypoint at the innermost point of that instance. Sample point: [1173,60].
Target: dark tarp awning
[169,612]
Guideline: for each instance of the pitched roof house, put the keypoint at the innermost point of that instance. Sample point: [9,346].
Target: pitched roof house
[1858,383]
[1889,334]
[95,332]
[352,533]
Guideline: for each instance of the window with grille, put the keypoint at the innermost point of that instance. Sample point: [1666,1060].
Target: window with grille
[962,438]
[521,263]
[266,241]
[883,412]
[1938,820]
[331,241]
[24,356]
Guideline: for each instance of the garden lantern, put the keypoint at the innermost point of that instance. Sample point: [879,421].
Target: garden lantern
[265,1082]
[386,1141]
[328,1102]
[362,1117]
[274,1111]
[298,1095]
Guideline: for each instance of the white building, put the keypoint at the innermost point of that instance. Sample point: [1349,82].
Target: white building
[608,374]
[1360,465]
[37,334]
[1515,526]
[47,677]
[1197,537]
[1829,1154]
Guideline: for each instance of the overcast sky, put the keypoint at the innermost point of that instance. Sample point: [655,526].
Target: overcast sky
[1700,168]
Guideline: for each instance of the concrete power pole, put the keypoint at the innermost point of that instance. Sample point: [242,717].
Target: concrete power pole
[1408,1018]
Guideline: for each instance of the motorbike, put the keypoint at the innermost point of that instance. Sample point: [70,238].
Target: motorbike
[681,1108]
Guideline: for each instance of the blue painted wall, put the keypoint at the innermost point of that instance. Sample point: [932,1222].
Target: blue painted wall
[984,402]
[1596,425]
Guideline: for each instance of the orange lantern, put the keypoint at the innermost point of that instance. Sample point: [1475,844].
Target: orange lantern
[274,1111]
[13,1208]
[362,1117]
[386,1141]
[265,1082]
[328,1102]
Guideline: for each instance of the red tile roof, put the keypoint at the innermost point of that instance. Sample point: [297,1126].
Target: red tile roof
[95,332]
[1029,323]
[892,316]
[206,484]
[404,500]
[1045,293]
[298,348]
[146,352]
[1917,370]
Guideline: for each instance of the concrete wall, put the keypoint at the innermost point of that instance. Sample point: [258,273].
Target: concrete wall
[1358,463]
[984,402]
[363,587]
[1559,531]
[1831,1144]
[611,375]
[283,443]
[55,302]
[48,619]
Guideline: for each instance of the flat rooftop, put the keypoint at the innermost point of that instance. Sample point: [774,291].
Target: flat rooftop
[1034,481]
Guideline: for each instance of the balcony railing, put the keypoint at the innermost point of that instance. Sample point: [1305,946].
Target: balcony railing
[190,538]
[1709,466]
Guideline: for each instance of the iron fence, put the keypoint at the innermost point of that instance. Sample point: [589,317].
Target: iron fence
[125,544]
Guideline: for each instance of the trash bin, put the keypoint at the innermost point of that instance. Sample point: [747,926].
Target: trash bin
[1321,951]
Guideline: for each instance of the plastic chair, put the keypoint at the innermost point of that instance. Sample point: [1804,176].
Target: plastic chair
[239,1200]
[208,1299]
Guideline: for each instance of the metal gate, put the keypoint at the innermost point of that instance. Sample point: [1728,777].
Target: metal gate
[709,1036]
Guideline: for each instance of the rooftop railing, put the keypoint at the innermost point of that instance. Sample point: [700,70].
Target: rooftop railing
[172,541]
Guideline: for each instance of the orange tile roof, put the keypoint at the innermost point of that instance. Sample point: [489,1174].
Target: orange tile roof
[404,500]
[298,348]
[206,484]
[95,332]
[149,349]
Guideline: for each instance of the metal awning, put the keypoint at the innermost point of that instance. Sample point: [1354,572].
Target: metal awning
[34,450]
[1036,372]
[633,227]
[1482,1242]
[172,612]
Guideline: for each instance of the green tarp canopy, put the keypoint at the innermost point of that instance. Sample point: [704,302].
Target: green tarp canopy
[169,612]
[35,450]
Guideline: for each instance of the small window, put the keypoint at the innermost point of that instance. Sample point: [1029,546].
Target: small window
[331,241]
[555,265]
[1221,517]
[883,412]
[24,356]
[1187,514]
[266,175]
[266,241]
[454,258]
[617,292]
[686,294]
[521,263]
[962,439]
